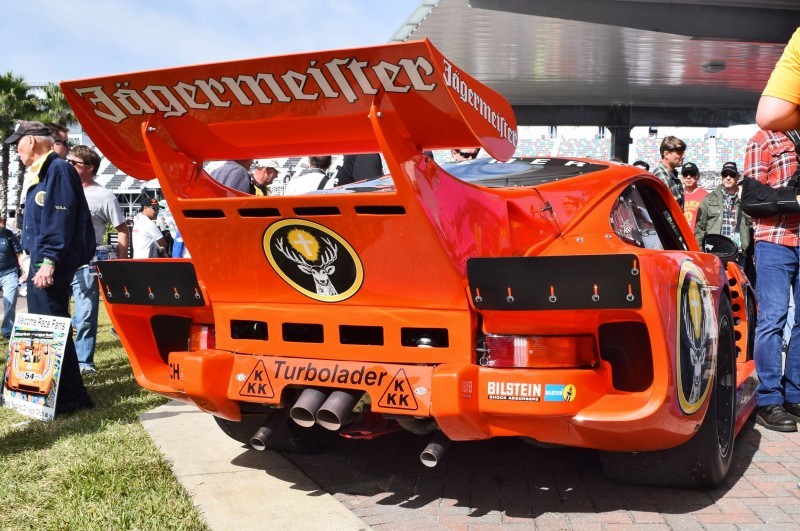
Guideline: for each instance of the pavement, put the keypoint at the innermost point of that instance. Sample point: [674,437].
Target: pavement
[501,483]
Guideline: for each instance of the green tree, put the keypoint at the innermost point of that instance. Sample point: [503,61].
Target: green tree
[15,104]
[54,107]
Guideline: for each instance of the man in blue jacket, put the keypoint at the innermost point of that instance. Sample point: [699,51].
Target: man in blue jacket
[57,233]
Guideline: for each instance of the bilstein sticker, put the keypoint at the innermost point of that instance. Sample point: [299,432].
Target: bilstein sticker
[313,259]
[559,393]
[523,392]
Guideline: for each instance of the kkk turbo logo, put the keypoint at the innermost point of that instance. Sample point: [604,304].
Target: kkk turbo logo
[697,338]
[313,259]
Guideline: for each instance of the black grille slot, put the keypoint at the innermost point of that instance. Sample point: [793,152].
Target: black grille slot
[206,213]
[381,210]
[424,337]
[317,211]
[249,330]
[259,212]
[360,335]
[303,333]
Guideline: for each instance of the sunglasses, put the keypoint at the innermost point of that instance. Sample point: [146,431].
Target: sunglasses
[76,162]
[467,154]
[689,176]
[729,175]
[67,143]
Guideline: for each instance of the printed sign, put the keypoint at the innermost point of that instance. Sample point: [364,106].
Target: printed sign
[35,354]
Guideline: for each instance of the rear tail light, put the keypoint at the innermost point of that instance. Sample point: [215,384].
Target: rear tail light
[202,337]
[540,352]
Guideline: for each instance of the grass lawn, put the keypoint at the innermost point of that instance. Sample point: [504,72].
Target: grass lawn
[95,469]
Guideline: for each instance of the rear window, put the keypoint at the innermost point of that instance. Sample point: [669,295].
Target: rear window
[490,173]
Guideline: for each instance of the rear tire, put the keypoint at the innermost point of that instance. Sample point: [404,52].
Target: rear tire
[288,437]
[704,460]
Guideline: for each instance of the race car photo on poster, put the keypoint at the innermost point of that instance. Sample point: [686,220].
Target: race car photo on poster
[564,301]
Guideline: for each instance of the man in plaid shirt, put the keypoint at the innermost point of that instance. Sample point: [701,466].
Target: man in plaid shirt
[771,159]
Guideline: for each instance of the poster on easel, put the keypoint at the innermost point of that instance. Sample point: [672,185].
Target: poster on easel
[35,353]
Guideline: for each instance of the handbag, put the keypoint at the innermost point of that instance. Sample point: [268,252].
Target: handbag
[760,200]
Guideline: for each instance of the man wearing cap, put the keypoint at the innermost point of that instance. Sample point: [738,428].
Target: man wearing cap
[264,172]
[692,194]
[671,151]
[57,233]
[105,209]
[721,212]
[148,240]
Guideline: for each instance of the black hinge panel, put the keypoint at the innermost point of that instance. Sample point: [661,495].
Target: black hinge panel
[555,282]
[151,283]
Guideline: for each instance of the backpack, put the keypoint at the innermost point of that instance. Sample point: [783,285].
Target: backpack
[760,200]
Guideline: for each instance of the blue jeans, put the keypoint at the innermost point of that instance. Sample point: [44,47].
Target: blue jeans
[777,269]
[9,281]
[86,292]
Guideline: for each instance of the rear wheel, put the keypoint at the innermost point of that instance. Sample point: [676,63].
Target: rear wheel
[704,460]
[288,437]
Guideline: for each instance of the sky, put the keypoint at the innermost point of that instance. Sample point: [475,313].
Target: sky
[89,38]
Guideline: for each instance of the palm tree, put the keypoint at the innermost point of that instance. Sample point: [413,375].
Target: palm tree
[55,109]
[15,104]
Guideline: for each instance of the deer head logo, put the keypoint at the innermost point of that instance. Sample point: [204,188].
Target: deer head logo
[696,341]
[320,273]
[313,259]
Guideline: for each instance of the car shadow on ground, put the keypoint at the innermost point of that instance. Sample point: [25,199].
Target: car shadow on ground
[502,475]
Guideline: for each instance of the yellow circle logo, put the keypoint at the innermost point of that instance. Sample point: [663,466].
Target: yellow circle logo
[696,341]
[313,259]
[569,393]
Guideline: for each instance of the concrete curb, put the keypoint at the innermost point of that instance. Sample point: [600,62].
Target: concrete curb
[239,488]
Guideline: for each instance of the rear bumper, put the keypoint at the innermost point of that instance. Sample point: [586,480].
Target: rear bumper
[469,402]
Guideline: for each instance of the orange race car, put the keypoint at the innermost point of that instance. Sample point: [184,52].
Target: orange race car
[564,301]
[31,367]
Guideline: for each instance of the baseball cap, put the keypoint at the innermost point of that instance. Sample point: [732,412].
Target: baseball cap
[25,127]
[266,163]
[690,168]
[729,167]
[150,202]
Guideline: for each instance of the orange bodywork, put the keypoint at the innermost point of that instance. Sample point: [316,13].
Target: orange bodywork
[31,367]
[407,325]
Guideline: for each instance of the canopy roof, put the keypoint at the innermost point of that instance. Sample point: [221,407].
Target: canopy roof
[615,62]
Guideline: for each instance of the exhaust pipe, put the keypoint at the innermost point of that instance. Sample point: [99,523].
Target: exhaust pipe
[304,411]
[433,453]
[337,408]
[263,434]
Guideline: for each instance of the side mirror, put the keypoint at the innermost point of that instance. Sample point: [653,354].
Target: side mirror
[720,246]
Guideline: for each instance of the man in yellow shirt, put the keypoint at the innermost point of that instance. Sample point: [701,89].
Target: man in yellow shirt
[778,107]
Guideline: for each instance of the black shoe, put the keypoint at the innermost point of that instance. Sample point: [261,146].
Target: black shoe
[63,408]
[793,410]
[774,417]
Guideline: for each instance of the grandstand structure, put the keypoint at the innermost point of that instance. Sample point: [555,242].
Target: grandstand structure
[709,151]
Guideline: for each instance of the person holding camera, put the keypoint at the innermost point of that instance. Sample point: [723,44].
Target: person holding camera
[771,159]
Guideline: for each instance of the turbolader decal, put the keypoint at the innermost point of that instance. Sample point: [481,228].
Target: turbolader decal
[313,259]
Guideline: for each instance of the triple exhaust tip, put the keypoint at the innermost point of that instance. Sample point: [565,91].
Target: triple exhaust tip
[331,411]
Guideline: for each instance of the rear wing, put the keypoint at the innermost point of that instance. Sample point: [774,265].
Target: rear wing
[315,103]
